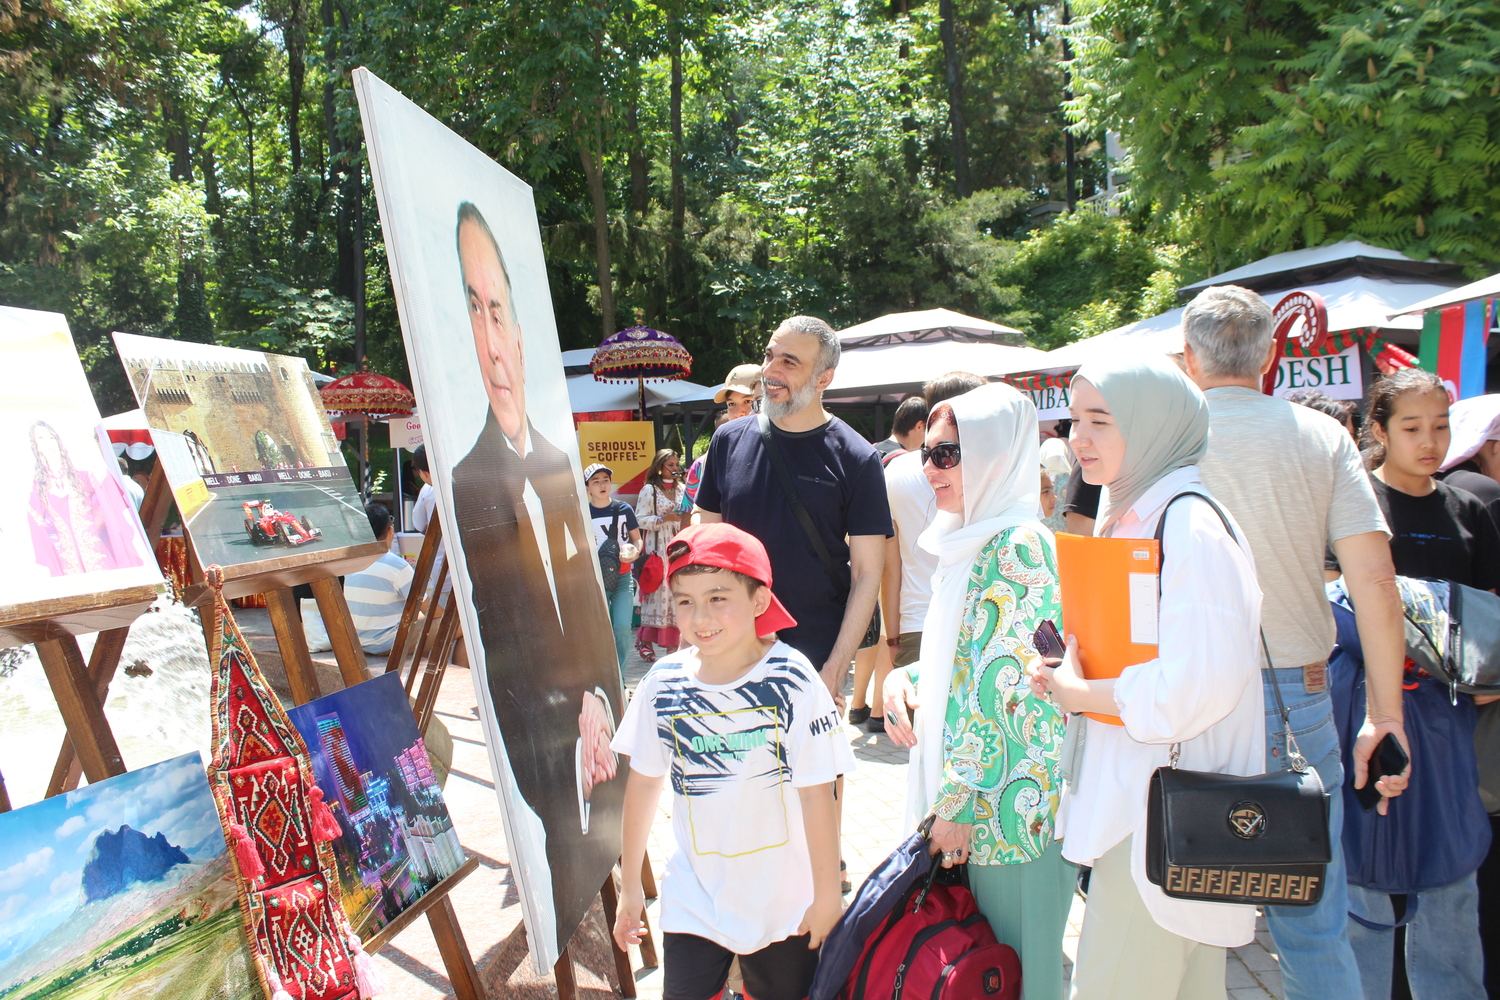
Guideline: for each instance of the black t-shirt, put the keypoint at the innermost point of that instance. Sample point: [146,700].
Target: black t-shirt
[887,447]
[838,476]
[602,517]
[1471,480]
[1446,535]
[1081,497]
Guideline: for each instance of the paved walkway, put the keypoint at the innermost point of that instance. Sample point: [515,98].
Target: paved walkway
[486,902]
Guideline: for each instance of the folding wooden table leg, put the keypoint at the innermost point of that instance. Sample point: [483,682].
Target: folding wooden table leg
[609,895]
[103,662]
[87,728]
[301,675]
[562,973]
[456,959]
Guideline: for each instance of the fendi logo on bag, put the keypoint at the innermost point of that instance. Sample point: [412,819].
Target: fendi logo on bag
[1247,820]
[1233,883]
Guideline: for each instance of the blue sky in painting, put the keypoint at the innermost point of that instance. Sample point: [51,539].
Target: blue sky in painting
[44,847]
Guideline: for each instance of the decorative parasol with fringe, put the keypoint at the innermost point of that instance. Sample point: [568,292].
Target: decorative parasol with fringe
[361,397]
[638,353]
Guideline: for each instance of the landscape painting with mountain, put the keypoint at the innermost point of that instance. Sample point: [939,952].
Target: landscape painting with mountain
[122,890]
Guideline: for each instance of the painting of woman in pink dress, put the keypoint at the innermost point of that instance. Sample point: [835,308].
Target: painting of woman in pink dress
[78,519]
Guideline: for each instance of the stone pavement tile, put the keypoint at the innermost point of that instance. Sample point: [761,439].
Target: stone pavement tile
[1250,993]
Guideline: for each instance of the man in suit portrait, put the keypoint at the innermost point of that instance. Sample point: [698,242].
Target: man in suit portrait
[544,628]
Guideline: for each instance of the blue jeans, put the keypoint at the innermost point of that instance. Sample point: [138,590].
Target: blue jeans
[1444,956]
[1317,962]
[621,609]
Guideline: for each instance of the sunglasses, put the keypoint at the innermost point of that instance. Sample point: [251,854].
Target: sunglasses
[943,456]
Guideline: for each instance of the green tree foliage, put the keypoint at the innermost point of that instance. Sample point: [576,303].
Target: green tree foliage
[1291,123]
[1088,273]
[1391,134]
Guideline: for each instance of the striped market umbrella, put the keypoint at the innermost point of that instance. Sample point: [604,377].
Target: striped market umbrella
[638,353]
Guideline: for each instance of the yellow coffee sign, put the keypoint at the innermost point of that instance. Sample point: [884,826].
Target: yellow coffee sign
[626,446]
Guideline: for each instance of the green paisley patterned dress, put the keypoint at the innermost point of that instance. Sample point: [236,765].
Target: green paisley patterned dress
[1002,744]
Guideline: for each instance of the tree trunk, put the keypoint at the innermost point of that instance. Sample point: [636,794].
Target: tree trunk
[213,199]
[675,269]
[1070,155]
[953,73]
[911,151]
[294,32]
[593,170]
[639,181]
[191,321]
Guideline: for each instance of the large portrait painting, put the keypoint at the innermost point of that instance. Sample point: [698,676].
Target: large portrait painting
[248,450]
[471,286]
[68,527]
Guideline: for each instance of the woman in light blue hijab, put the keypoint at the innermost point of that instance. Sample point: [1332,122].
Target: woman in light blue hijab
[1139,428]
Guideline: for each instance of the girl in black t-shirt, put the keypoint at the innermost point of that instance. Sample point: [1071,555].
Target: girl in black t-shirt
[1438,531]
[1443,533]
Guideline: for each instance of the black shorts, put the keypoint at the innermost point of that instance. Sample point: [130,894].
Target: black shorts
[697,969]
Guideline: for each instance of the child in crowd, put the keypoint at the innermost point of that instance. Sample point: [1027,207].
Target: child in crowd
[741,721]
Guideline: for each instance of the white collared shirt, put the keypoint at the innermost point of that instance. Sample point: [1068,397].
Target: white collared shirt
[1203,690]
[533,501]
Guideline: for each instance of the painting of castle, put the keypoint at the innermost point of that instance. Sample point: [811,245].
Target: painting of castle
[252,459]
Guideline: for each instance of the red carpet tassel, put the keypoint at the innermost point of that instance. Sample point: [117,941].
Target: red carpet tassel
[245,854]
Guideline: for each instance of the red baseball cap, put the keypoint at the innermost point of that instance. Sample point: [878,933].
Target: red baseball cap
[727,547]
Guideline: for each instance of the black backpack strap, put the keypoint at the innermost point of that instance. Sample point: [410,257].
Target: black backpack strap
[789,489]
[1295,760]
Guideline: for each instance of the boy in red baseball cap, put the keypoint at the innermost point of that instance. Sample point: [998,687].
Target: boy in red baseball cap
[740,720]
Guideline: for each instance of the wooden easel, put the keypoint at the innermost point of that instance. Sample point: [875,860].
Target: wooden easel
[81,691]
[430,629]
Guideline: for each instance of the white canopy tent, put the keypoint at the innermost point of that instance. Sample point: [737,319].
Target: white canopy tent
[588,395]
[925,325]
[892,372]
[1298,268]
[1354,303]
[1484,288]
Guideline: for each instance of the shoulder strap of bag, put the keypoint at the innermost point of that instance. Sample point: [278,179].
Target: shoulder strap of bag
[1294,759]
[784,480]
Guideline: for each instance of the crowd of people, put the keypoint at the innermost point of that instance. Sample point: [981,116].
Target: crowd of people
[928,562]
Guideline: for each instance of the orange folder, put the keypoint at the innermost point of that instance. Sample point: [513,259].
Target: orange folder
[1109,602]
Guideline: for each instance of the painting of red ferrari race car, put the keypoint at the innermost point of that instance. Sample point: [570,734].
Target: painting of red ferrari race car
[268,526]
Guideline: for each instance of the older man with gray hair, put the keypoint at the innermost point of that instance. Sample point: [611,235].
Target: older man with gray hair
[1294,481]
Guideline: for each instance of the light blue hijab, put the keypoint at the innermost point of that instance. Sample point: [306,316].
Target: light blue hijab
[1162,416]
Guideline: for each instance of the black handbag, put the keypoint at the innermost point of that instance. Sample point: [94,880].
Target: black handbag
[1259,839]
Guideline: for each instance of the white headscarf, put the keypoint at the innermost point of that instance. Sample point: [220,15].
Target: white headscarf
[1473,421]
[997,431]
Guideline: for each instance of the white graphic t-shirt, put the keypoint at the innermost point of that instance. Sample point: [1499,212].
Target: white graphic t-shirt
[737,754]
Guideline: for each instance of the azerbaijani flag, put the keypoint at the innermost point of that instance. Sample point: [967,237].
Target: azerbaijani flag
[1453,346]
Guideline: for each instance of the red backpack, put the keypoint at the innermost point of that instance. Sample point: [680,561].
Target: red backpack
[935,946]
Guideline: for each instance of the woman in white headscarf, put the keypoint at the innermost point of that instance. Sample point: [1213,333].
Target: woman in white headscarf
[1139,428]
[986,748]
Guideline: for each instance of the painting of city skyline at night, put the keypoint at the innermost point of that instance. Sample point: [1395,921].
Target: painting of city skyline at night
[397,839]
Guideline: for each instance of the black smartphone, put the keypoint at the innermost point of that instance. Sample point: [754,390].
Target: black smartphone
[1047,641]
[1389,758]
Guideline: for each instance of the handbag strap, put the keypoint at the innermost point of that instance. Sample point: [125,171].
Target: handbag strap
[1294,759]
[784,480]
